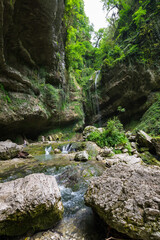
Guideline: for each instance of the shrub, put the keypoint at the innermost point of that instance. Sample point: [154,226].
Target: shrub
[112,136]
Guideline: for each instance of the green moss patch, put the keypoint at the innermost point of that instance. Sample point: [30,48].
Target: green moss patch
[150,122]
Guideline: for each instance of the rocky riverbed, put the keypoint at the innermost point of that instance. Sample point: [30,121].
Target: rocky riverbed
[75,178]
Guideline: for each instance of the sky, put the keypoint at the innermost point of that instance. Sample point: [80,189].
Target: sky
[94,10]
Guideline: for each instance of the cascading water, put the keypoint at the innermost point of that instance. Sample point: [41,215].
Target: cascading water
[67,148]
[97,108]
[48,150]
[78,221]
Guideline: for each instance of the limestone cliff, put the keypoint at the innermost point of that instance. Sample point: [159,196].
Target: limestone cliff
[122,86]
[130,87]
[33,82]
[129,79]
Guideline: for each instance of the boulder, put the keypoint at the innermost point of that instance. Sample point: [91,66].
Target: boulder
[120,158]
[131,137]
[127,198]
[56,150]
[89,129]
[144,140]
[105,152]
[81,156]
[29,204]
[9,150]
[92,149]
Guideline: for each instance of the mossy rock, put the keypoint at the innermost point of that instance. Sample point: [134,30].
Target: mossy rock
[149,159]
[33,203]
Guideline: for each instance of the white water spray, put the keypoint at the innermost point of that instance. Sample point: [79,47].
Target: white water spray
[67,148]
[48,150]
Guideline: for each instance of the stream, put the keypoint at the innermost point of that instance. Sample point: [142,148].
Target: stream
[79,222]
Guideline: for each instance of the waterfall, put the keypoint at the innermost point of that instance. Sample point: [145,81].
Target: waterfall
[97,110]
[48,150]
[67,148]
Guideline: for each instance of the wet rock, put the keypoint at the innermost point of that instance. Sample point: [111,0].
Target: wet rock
[144,140]
[23,154]
[29,204]
[56,150]
[127,198]
[81,156]
[70,177]
[92,149]
[9,150]
[49,235]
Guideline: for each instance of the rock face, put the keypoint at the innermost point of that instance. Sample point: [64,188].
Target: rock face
[32,69]
[9,150]
[127,198]
[29,204]
[127,86]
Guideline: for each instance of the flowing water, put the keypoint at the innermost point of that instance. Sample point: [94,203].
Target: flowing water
[67,148]
[79,222]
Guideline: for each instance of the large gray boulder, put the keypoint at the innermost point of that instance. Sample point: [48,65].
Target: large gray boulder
[29,204]
[9,150]
[127,198]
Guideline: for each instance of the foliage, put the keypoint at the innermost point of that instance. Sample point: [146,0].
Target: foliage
[135,35]
[137,16]
[149,159]
[112,136]
[120,109]
[78,46]
[98,36]
[150,120]
[5,95]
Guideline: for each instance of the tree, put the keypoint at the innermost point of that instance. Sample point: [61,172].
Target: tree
[78,45]
[98,36]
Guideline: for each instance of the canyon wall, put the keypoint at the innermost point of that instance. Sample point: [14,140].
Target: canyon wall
[35,94]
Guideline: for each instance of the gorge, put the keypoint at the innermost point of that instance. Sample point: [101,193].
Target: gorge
[93,108]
